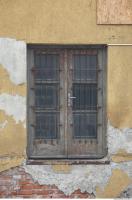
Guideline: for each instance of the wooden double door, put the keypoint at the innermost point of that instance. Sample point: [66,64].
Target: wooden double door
[66,102]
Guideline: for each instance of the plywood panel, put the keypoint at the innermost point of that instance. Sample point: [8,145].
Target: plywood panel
[114,11]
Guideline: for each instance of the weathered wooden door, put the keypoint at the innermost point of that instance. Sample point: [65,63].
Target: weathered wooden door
[65,103]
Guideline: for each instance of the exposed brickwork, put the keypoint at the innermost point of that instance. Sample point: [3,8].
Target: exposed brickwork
[16,183]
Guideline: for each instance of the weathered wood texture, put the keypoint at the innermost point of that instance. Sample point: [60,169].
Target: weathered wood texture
[114,11]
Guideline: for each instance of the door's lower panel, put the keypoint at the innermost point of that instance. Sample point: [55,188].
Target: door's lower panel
[48,149]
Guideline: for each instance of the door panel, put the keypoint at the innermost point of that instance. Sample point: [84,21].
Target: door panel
[84,125]
[46,112]
[47,125]
[85,96]
[83,107]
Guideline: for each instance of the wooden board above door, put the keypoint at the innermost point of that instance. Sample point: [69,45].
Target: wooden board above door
[114,11]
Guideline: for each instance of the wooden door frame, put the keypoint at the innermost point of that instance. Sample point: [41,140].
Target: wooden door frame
[65,48]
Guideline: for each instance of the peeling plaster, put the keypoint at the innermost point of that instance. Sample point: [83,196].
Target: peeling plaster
[121,156]
[7,86]
[3,125]
[87,177]
[13,59]
[83,177]
[117,183]
[119,139]
[12,139]
[14,106]
[8,162]
[124,166]
[127,193]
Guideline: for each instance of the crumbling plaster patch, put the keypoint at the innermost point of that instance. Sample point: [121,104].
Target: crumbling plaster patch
[80,177]
[14,106]
[118,181]
[83,177]
[127,193]
[119,139]
[13,58]
[88,177]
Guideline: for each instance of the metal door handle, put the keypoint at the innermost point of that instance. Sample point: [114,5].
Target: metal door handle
[69,99]
[72,97]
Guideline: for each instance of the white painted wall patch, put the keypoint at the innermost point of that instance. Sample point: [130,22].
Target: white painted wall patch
[14,106]
[13,59]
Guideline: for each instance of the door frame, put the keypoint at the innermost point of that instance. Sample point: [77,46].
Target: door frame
[65,49]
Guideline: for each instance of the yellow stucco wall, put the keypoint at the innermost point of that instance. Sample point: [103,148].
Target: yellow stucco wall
[58,21]
[74,21]
[120,86]
[67,22]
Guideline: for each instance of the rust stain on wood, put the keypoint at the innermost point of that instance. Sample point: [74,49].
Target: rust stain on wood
[114,12]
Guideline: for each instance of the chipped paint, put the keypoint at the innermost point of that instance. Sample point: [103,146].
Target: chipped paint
[12,102]
[8,162]
[13,59]
[12,137]
[121,156]
[118,181]
[7,86]
[3,125]
[14,106]
[124,166]
[127,193]
[90,177]
[84,177]
[60,30]
[62,168]
[80,177]
[119,139]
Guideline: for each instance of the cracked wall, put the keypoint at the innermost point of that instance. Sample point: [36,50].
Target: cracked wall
[86,178]
[50,29]
[83,177]
[12,102]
